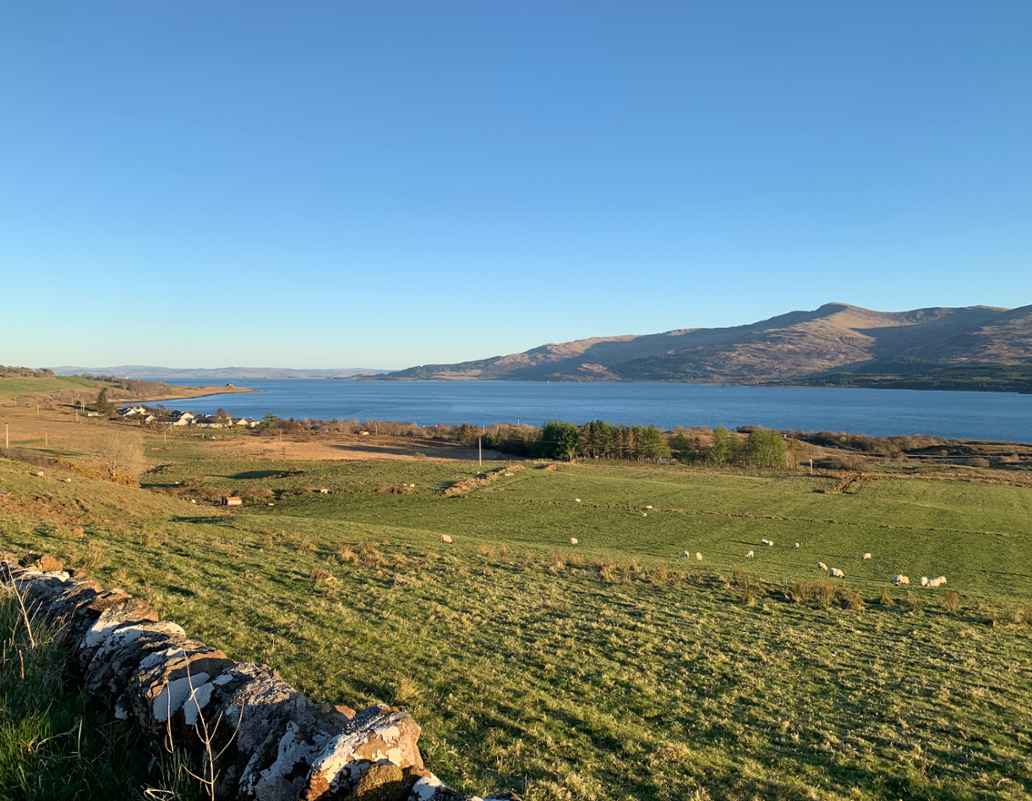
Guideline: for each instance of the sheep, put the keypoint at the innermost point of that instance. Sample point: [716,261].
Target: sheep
[687,554]
[822,566]
[573,540]
[867,556]
[924,581]
[836,573]
[750,555]
[767,542]
[797,545]
[446,539]
[644,514]
[576,500]
[901,581]
[938,581]
[649,507]
[698,556]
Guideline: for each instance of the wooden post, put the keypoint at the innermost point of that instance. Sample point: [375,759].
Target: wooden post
[46,439]
[7,436]
[480,451]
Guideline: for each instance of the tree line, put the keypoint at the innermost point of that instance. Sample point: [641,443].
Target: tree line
[758,447]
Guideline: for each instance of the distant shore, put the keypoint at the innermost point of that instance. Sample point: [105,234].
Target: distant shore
[190,393]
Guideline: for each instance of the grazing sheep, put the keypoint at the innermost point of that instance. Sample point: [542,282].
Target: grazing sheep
[649,507]
[767,542]
[836,573]
[901,581]
[867,556]
[573,540]
[644,514]
[924,581]
[576,500]
[446,539]
[822,566]
[687,554]
[698,556]
[797,545]
[938,581]
[750,555]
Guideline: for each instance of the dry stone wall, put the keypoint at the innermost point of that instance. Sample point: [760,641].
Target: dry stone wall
[266,740]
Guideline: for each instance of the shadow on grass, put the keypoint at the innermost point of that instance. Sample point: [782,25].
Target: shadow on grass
[258,474]
[211,520]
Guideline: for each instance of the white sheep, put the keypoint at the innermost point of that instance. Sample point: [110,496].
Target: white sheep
[750,555]
[822,566]
[649,507]
[901,581]
[698,556]
[687,554]
[644,514]
[446,539]
[573,540]
[797,545]
[836,573]
[867,556]
[767,542]
[938,581]
[576,500]
[924,581]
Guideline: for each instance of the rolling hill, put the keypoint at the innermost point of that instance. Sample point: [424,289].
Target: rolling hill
[975,347]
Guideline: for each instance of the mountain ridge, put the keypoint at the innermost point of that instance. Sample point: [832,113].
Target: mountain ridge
[795,347]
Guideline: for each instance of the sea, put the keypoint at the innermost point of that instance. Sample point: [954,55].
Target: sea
[879,412]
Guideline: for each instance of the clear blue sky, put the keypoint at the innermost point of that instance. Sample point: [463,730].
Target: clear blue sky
[302,184]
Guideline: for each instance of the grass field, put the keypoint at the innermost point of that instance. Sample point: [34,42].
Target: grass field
[616,669]
[12,386]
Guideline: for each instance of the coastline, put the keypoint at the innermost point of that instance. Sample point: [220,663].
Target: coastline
[206,392]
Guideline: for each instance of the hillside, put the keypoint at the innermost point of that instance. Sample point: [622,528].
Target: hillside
[837,343]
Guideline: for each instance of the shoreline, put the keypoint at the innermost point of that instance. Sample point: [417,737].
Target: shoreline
[207,394]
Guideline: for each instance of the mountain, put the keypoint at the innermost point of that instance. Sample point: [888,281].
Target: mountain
[215,374]
[835,344]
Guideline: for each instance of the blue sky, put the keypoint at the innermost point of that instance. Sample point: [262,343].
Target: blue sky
[306,184]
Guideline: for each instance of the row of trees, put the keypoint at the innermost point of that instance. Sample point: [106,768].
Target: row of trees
[598,439]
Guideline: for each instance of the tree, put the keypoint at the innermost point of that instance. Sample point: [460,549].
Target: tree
[652,445]
[766,448]
[123,458]
[104,405]
[560,440]
[724,449]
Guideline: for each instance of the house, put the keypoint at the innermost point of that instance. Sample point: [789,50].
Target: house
[243,421]
[207,421]
[232,500]
[132,411]
[181,418]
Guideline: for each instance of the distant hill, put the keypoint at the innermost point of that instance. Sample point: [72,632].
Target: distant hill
[976,347]
[136,371]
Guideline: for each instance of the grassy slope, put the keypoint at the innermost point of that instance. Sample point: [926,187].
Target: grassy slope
[13,386]
[567,682]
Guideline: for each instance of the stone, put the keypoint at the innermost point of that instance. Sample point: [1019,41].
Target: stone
[44,563]
[383,782]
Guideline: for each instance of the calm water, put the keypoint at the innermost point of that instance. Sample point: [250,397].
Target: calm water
[982,415]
